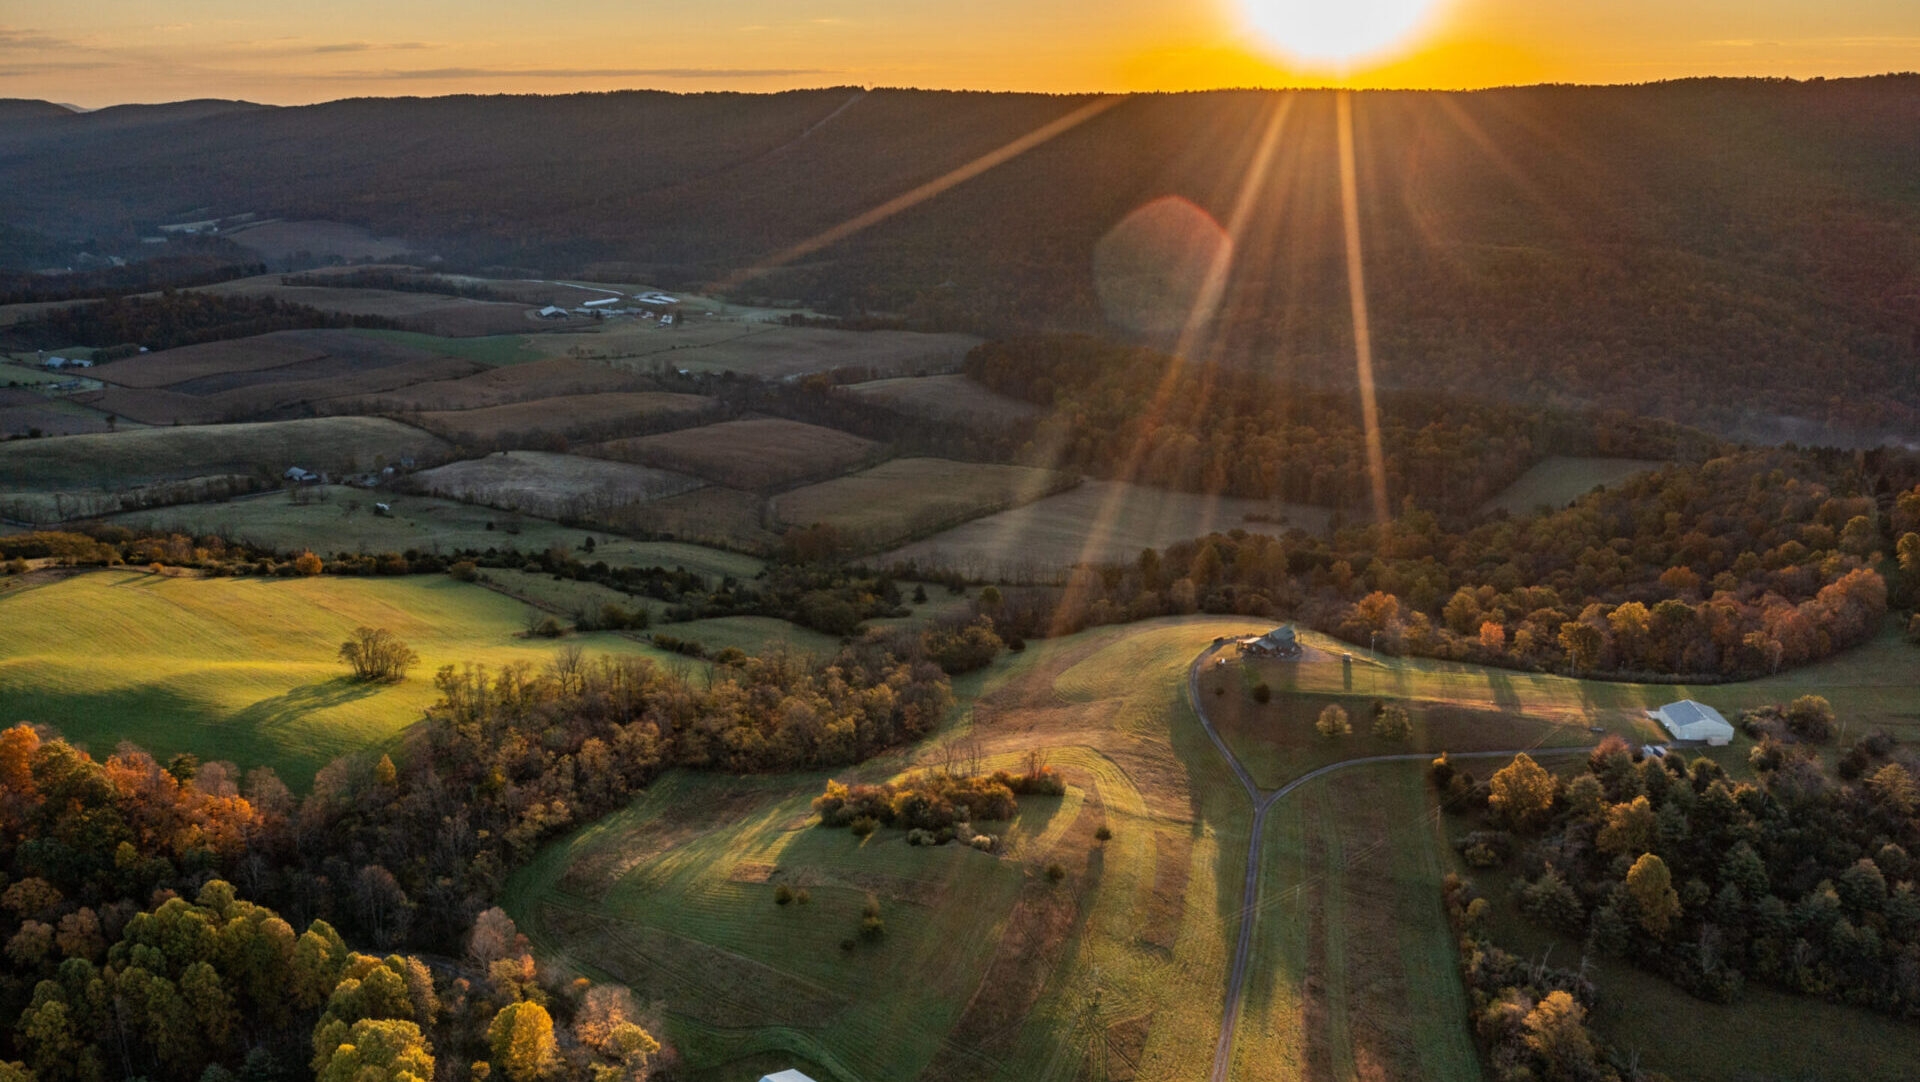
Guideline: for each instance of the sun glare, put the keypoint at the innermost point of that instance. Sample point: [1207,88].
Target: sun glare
[1338,34]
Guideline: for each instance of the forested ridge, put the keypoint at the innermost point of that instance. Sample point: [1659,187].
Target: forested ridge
[1694,250]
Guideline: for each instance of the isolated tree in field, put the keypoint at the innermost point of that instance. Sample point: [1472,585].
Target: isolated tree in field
[1650,885]
[375,654]
[1521,793]
[1333,721]
[521,1039]
[1393,722]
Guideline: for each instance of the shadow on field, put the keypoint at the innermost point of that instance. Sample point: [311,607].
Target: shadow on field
[282,710]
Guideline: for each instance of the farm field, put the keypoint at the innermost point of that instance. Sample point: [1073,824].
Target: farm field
[421,523]
[753,634]
[986,966]
[428,312]
[301,387]
[260,353]
[277,241]
[24,412]
[913,496]
[566,417]
[1558,481]
[1099,521]
[754,454]
[561,596]
[242,669]
[946,398]
[111,462]
[520,381]
[712,515]
[1355,973]
[493,350]
[551,485]
[775,351]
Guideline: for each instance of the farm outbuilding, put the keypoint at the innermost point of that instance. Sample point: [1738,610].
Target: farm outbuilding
[1280,642]
[788,1075]
[1695,723]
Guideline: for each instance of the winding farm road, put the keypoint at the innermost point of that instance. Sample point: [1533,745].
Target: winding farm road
[1263,802]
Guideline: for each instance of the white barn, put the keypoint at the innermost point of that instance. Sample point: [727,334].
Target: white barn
[1695,723]
[788,1075]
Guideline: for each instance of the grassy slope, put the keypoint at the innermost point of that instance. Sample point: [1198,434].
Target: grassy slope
[685,878]
[1354,971]
[241,669]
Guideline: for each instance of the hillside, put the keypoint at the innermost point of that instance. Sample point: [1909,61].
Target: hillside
[1691,250]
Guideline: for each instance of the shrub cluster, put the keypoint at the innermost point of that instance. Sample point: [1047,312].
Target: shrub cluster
[936,803]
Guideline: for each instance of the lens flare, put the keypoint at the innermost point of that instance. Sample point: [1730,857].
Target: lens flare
[1338,33]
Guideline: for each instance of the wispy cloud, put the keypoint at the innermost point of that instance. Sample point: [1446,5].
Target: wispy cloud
[367,46]
[429,74]
[11,39]
[9,71]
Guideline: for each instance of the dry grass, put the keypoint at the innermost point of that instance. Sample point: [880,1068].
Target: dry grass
[571,418]
[1100,521]
[912,497]
[757,454]
[774,351]
[946,398]
[552,485]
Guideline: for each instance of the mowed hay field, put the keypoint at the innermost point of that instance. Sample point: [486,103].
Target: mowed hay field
[551,485]
[945,398]
[986,965]
[567,417]
[753,454]
[1101,521]
[118,460]
[1355,973]
[1558,481]
[911,497]
[242,669]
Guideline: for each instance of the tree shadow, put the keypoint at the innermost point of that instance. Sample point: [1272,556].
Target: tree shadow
[294,705]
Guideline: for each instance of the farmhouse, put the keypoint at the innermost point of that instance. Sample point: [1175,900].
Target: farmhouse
[1280,642]
[295,473]
[1695,723]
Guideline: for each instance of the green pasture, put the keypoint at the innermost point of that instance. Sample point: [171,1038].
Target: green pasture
[243,669]
[1355,972]
[753,634]
[988,970]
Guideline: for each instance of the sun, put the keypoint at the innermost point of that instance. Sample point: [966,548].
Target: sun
[1338,33]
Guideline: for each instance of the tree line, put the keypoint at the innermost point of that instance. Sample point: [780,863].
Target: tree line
[174,319]
[1741,566]
[398,852]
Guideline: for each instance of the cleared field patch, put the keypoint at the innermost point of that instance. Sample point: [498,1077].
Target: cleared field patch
[551,485]
[987,963]
[945,398]
[775,351]
[243,669]
[24,412]
[276,242]
[1558,481]
[756,635]
[754,454]
[1099,521]
[505,385]
[911,497]
[118,460]
[1355,971]
[566,417]
[561,596]
[713,515]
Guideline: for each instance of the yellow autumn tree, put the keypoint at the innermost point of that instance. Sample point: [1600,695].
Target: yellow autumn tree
[1650,885]
[521,1039]
[1521,793]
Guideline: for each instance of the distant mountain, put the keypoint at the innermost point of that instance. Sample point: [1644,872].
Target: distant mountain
[1743,253]
[25,109]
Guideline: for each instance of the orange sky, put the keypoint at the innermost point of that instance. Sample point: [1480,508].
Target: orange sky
[98,52]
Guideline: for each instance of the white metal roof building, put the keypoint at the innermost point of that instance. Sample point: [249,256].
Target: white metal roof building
[1694,722]
[788,1075]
